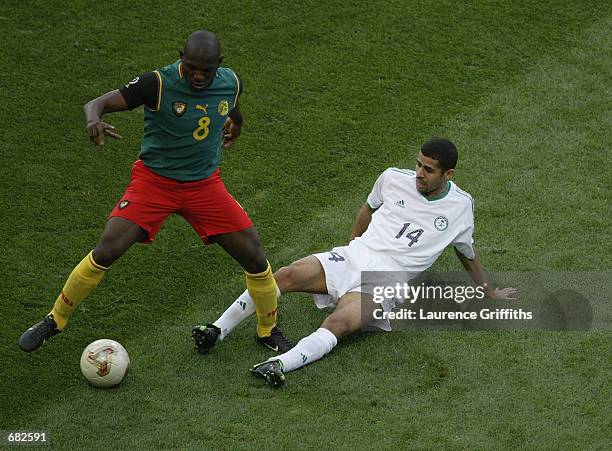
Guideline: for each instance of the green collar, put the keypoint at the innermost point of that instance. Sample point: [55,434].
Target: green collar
[442,195]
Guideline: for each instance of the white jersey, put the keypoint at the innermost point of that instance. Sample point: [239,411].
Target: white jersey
[413,231]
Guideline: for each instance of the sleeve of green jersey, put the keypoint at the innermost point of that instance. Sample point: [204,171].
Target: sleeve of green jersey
[142,90]
[240,85]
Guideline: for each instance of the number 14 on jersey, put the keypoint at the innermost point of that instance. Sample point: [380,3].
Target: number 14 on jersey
[413,236]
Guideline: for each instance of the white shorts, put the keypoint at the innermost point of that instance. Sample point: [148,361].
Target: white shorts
[343,267]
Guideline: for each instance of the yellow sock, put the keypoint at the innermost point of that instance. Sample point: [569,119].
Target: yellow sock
[262,288]
[84,278]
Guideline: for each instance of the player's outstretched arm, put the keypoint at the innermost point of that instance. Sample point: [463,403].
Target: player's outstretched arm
[476,270]
[95,128]
[362,221]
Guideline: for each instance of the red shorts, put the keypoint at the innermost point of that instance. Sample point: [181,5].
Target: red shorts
[150,198]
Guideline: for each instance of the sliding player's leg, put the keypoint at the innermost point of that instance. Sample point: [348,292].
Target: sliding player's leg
[305,275]
[347,318]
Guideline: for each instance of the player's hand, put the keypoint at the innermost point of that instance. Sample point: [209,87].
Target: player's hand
[98,131]
[231,132]
[503,294]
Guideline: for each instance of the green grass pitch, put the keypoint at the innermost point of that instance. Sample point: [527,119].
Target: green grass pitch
[335,92]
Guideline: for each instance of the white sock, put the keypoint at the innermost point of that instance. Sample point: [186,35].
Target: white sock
[241,309]
[309,349]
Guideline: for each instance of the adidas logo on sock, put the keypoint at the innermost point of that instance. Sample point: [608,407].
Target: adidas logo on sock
[304,358]
[400,203]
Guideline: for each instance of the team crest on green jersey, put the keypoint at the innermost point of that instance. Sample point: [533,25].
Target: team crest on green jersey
[223,108]
[179,108]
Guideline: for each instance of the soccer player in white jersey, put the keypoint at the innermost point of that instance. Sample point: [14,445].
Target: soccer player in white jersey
[409,219]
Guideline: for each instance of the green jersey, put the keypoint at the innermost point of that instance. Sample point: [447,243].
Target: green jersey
[182,133]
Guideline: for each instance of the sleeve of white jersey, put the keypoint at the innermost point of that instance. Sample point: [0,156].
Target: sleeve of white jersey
[464,242]
[375,198]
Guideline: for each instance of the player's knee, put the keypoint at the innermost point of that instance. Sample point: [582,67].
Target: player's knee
[336,325]
[256,264]
[102,256]
[105,253]
[254,260]
[284,278]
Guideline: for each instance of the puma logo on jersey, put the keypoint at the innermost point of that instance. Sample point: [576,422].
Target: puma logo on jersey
[400,203]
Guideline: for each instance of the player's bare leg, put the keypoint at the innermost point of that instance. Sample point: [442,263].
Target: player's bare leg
[347,318]
[305,275]
[245,247]
[118,236]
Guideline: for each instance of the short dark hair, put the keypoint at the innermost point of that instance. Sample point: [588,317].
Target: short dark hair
[443,150]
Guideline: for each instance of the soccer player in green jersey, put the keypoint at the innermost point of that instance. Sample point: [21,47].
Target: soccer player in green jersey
[191,111]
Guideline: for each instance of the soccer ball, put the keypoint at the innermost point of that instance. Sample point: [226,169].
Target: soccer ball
[104,363]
